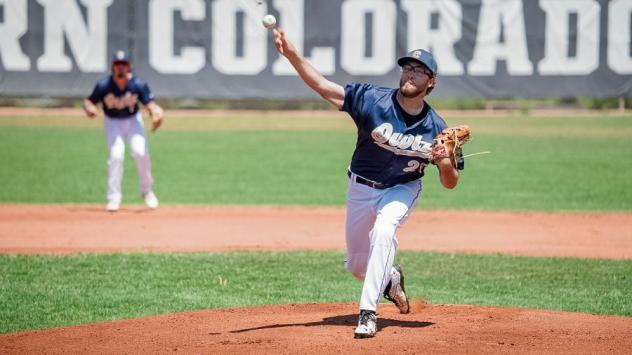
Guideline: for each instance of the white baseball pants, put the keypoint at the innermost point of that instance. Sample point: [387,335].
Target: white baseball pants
[373,217]
[132,130]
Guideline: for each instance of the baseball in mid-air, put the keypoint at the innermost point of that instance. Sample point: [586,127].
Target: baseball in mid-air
[268,21]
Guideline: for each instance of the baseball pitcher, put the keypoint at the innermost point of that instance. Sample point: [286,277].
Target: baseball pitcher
[396,141]
[119,94]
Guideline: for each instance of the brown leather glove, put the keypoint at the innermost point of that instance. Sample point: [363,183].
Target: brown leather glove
[447,144]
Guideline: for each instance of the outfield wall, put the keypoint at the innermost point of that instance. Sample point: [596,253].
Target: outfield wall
[218,48]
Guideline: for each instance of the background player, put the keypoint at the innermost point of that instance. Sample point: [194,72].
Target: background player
[120,93]
[396,128]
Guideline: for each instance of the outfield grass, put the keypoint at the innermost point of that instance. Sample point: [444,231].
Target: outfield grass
[568,164]
[49,291]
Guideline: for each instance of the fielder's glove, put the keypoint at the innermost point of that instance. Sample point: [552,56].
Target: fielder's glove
[447,144]
[156,114]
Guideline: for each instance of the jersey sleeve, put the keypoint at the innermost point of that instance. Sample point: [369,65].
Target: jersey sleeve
[355,100]
[146,96]
[97,93]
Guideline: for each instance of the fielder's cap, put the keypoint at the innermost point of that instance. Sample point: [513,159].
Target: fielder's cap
[422,56]
[120,56]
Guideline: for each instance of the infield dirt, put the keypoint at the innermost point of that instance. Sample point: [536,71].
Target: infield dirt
[55,229]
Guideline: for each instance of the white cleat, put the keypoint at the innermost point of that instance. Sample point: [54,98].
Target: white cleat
[151,200]
[395,291]
[113,206]
[367,325]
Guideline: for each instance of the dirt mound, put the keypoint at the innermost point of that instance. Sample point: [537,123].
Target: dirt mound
[328,328]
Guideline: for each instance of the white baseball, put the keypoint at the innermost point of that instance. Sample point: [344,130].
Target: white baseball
[269,21]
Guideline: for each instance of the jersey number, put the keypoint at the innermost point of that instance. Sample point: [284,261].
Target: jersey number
[413,166]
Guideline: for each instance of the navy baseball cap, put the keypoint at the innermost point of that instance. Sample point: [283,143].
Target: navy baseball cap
[120,56]
[422,56]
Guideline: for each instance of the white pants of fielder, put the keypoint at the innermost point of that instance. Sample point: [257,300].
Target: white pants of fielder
[373,217]
[117,131]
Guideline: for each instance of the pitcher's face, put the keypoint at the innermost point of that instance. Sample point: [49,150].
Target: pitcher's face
[415,79]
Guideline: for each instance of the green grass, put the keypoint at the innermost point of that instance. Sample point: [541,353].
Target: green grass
[523,173]
[48,291]
[531,167]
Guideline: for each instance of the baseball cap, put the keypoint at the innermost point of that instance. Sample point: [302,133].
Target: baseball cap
[120,56]
[422,56]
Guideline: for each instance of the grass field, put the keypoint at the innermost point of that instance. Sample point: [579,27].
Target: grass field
[554,164]
[544,164]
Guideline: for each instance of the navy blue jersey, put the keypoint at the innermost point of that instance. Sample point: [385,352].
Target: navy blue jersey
[388,150]
[121,103]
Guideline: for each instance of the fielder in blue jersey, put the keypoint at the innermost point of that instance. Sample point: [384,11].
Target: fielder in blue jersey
[120,94]
[396,129]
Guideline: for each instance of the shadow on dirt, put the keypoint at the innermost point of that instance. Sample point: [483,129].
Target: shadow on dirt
[344,320]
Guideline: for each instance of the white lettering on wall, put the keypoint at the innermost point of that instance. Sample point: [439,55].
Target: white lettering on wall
[292,16]
[496,17]
[439,41]
[352,47]
[87,40]
[161,36]
[619,59]
[224,38]
[556,60]
[13,27]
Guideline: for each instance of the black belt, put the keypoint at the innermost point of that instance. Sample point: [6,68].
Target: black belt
[369,183]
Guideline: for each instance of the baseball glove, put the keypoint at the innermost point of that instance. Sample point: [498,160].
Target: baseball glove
[448,143]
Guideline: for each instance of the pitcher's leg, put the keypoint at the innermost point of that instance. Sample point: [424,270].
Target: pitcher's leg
[381,256]
[359,221]
[393,208]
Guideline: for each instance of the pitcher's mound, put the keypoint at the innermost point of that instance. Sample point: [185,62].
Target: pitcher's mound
[328,328]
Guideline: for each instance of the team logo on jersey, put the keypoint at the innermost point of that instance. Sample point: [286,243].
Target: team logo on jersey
[128,100]
[399,143]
